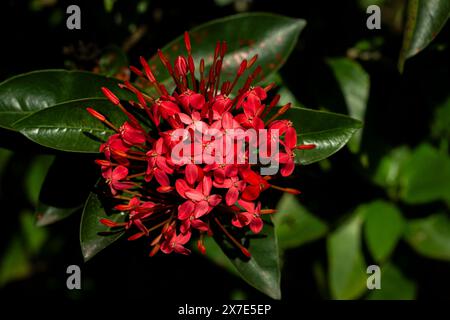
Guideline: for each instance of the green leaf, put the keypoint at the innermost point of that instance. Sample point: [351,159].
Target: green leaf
[46,214]
[387,172]
[347,276]
[425,18]
[262,270]
[286,95]
[328,131]
[270,36]
[394,286]
[384,226]
[92,239]
[24,94]
[109,5]
[430,236]
[15,263]
[425,177]
[35,176]
[69,127]
[294,225]
[216,255]
[355,84]
[34,236]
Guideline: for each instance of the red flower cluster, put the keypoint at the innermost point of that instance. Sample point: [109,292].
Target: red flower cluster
[170,197]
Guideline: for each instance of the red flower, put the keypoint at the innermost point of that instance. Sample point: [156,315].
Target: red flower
[191,100]
[113,178]
[201,197]
[255,185]
[250,217]
[234,186]
[158,166]
[250,117]
[176,243]
[131,135]
[114,143]
[196,145]
[186,213]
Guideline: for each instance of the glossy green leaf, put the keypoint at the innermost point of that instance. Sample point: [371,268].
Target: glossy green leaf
[394,285]
[47,214]
[328,131]
[270,36]
[295,225]
[69,127]
[92,239]
[354,83]
[347,276]
[425,177]
[216,255]
[262,270]
[24,94]
[384,226]
[286,95]
[34,237]
[430,236]
[425,18]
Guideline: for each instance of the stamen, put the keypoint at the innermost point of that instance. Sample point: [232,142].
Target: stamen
[102,118]
[272,104]
[288,190]
[305,146]
[280,112]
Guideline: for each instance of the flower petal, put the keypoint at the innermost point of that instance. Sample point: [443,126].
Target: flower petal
[199,225]
[162,178]
[240,220]
[191,173]
[290,138]
[207,185]
[256,225]
[214,200]
[119,173]
[194,195]
[232,196]
[251,193]
[201,208]
[185,210]
[181,186]
[288,168]
[247,205]
[227,120]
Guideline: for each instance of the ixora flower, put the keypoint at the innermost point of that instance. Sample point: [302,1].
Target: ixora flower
[196,167]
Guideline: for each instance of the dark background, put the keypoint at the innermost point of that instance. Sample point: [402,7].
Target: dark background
[401,108]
